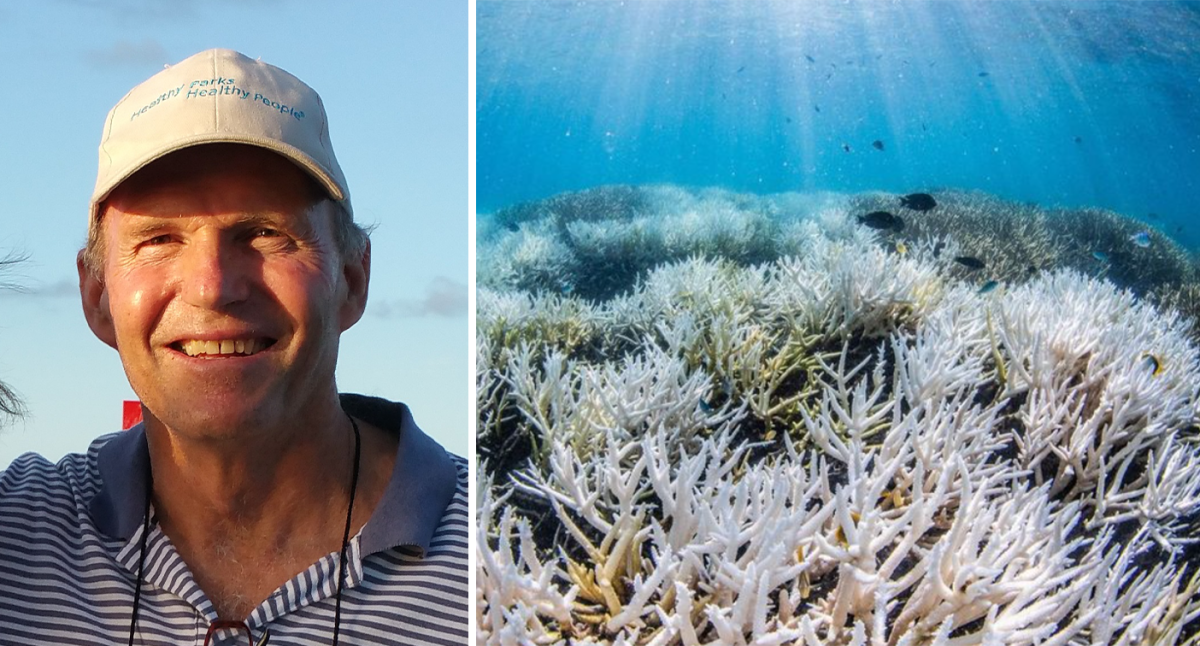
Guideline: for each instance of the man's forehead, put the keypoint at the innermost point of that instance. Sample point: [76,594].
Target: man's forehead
[211,171]
[123,224]
[134,221]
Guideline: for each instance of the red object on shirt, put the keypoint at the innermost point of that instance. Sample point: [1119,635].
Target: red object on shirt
[131,414]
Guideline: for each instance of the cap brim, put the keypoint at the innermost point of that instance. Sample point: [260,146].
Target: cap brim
[291,153]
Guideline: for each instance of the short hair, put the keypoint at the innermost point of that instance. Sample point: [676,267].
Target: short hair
[350,237]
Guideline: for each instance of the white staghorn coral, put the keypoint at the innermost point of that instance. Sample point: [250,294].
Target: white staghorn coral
[848,446]
[516,589]
[1096,407]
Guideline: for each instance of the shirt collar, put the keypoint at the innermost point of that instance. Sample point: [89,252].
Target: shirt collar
[119,506]
[423,481]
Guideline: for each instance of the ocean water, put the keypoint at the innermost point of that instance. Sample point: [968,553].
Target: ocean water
[1077,104]
[716,383]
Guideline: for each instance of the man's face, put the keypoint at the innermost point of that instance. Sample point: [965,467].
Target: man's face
[223,290]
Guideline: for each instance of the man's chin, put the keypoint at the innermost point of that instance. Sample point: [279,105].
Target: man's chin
[215,423]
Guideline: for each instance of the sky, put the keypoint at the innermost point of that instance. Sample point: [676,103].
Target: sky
[393,76]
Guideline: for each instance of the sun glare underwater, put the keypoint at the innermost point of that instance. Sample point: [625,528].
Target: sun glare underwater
[838,322]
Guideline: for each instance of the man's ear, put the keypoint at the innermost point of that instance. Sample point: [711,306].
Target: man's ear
[95,303]
[357,274]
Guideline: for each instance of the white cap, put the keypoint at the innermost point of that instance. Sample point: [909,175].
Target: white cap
[218,96]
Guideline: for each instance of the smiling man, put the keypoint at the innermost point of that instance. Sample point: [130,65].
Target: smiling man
[255,504]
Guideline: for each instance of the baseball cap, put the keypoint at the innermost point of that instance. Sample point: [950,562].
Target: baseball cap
[218,96]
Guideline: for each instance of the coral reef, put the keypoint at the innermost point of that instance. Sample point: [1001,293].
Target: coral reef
[598,242]
[826,441]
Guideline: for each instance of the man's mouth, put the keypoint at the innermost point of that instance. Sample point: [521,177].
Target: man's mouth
[212,348]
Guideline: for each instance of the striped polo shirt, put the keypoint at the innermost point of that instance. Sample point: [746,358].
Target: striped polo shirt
[70,534]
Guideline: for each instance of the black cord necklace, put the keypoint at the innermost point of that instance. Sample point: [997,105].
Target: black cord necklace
[337,609]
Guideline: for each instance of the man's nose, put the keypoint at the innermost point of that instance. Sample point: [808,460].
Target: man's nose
[214,274]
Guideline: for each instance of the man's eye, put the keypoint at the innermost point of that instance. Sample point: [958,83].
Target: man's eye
[266,233]
[157,240]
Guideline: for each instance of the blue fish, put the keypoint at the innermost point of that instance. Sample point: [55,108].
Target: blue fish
[988,286]
[1153,362]
[1100,255]
[1141,239]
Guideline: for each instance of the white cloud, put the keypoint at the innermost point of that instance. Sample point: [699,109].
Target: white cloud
[443,297]
[124,53]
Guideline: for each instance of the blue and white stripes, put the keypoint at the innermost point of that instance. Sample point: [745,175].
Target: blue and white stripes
[67,576]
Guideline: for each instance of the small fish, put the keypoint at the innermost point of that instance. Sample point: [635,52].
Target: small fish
[829,76]
[969,262]
[877,144]
[923,128]
[881,220]
[741,69]
[816,107]
[1141,239]
[846,147]
[1179,229]
[918,201]
[937,249]
[705,407]
[983,74]
[810,58]
[1100,255]
[901,248]
[788,119]
[1078,139]
[1153,362]
[988,286]
[1153,215]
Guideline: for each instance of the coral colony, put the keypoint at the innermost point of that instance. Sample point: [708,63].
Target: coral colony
[712,418]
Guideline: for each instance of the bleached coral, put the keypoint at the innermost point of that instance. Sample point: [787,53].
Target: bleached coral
[844,446]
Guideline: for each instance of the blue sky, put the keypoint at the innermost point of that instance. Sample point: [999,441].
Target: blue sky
[393,77]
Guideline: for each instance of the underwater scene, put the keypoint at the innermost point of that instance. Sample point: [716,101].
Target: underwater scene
[839,322]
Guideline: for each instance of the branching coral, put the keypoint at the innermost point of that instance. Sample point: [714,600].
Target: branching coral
[599,242]
[845,445]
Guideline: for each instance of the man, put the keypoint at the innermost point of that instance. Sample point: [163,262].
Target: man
[254,503]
